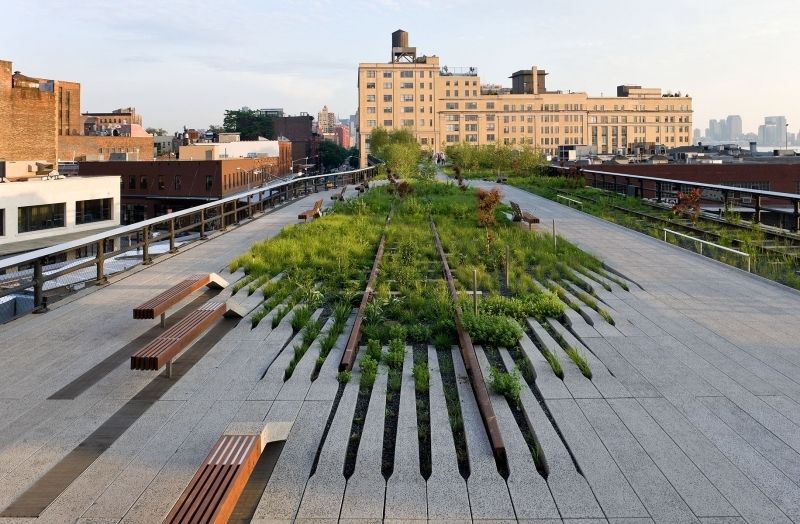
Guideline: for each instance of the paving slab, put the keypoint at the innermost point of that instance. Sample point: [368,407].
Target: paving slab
[530,494]
[296,388]
[569,488]
[326,384]
[548,383]
[448,500]
[406,494]
[579,386]
[489,497]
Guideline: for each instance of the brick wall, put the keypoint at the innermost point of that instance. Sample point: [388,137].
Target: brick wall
[100,147]
[27,121]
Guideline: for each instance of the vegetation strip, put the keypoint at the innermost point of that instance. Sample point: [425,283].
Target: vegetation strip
[351,349]
[471,365]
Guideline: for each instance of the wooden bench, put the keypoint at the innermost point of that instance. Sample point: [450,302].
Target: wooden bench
[213,492]
[158,305]
[502,179]
[363,186]
[339,195]
[523,216]
[314,212]
[165,347]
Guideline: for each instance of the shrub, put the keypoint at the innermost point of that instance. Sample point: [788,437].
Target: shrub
[500,305]
[506,384]
[396,354]
[545,305]
[374,349]
[343,377]
[369,371]
[494,330]
[419,333]
[422,377]
[397,331]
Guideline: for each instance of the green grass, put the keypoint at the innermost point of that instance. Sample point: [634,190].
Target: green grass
[506,383]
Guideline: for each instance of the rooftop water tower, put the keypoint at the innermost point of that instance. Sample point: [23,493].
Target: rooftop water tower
[401,52]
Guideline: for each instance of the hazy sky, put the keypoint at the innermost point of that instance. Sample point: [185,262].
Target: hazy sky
[184,62]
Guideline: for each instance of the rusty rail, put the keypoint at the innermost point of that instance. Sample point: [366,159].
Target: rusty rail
[351,349]
[472,366]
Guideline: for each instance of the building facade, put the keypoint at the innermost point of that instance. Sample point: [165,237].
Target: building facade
[151,189]
[41,207]
[442,105]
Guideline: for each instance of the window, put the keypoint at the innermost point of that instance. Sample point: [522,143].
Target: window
[177,182]
[371,73]
[161,185]
[452,127]
[447,93]
[87,211]
[408,123]
[422,122]
[451,105]
[387,85]
[408,109]
[471,105]
[407,85]
[452,118]
[387,98]
[132,182]
[387,109]
[370,98]
[406,98]
[489,105]
[471,127]
[209,182]
[387,74]
[406,74]
[490,126]
[370,85]
[471,138]
[371,110]
[490,138]
[36,218]
[423,141]
[452,138]
[371,123]
[387,123]
[143,182]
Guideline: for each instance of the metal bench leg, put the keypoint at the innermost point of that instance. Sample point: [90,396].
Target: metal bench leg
[169,369]
[163,320]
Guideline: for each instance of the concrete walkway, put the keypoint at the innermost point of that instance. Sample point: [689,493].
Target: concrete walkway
[692,413]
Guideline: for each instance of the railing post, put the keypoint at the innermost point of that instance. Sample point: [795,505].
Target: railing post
[100,262]
[172,235]
[757,214]
[39,305]
[146,245]
[658,192]
[249,206]
[796,213]
[222,225]
[202,223]
[235,211]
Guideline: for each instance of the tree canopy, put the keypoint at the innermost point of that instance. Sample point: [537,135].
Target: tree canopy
[249,124]
[399,150]
[333,155]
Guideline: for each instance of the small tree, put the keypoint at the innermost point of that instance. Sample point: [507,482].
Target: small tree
[688,204]
[487,203]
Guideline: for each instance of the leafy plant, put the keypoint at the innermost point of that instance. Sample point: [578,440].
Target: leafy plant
[302,314]
[374,349]
[343,376]
[487,203]
[369,371]
[495,330]
[396,354]
[422,377]
[506,384]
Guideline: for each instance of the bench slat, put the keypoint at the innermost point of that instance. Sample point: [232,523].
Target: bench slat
[168,298]
[212,493]
[166,346]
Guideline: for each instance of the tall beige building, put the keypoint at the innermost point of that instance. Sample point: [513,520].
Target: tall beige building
[444,105]
[326,121]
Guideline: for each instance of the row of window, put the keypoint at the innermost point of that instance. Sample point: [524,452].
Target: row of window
[177,183]
[403,74]
[403,85]
[49,216]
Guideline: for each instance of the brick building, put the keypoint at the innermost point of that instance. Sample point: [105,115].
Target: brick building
[150,189]
[34,112]
[299,131]
[40,119]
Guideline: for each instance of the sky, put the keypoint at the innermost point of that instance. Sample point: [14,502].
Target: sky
[184,62]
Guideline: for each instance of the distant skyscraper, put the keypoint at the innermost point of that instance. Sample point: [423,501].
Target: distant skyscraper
[773,131]
[734,125]
[696,136]
[714,130]
[326,121]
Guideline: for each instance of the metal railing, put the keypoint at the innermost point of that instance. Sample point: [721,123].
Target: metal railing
[707,243]
[30,268]
[569,200]
[661,189]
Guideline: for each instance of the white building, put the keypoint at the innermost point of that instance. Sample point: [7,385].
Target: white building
[242,149]
[35,207]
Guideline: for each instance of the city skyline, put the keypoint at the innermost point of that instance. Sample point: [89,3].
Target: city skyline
[175,62]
